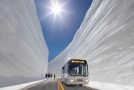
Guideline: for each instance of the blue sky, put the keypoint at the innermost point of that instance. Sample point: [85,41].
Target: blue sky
[59,31]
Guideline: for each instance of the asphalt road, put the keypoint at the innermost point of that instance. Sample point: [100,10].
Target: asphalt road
[53,85]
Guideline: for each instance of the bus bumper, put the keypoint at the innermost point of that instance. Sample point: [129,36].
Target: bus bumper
[73,82]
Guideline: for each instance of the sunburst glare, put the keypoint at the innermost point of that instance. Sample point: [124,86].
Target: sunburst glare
[56,9]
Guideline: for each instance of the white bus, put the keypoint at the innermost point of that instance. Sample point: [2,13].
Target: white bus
[75,72]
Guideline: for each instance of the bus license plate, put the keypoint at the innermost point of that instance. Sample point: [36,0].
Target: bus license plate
[79,80]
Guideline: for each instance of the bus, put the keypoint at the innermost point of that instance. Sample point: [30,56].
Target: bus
[75,72]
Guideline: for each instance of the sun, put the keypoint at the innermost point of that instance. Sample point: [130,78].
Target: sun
[56,8]
[57,11]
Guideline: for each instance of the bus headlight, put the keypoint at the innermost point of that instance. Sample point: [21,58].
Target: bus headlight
[86,80]
[71,80]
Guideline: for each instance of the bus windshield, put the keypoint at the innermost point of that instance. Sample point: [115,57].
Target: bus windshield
[78,70]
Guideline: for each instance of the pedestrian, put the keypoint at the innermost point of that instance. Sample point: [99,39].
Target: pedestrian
[46,76]
[54,76]
[51,76]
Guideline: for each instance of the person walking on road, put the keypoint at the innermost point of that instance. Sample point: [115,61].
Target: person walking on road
[51,76]
[46,76]
[54,76]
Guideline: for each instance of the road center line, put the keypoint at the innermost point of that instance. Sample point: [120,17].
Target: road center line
[60,85]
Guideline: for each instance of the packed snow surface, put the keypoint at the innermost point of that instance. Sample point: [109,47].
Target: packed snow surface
[106,40]
[23,51]
[107,86]
[22,86]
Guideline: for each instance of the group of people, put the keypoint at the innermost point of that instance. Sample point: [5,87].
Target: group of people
[50,76]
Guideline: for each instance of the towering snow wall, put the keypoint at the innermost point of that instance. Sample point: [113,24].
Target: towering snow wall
[23,52]
[106,40]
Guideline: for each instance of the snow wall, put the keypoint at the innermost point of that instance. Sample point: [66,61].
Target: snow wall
[106,40]
[23,52]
